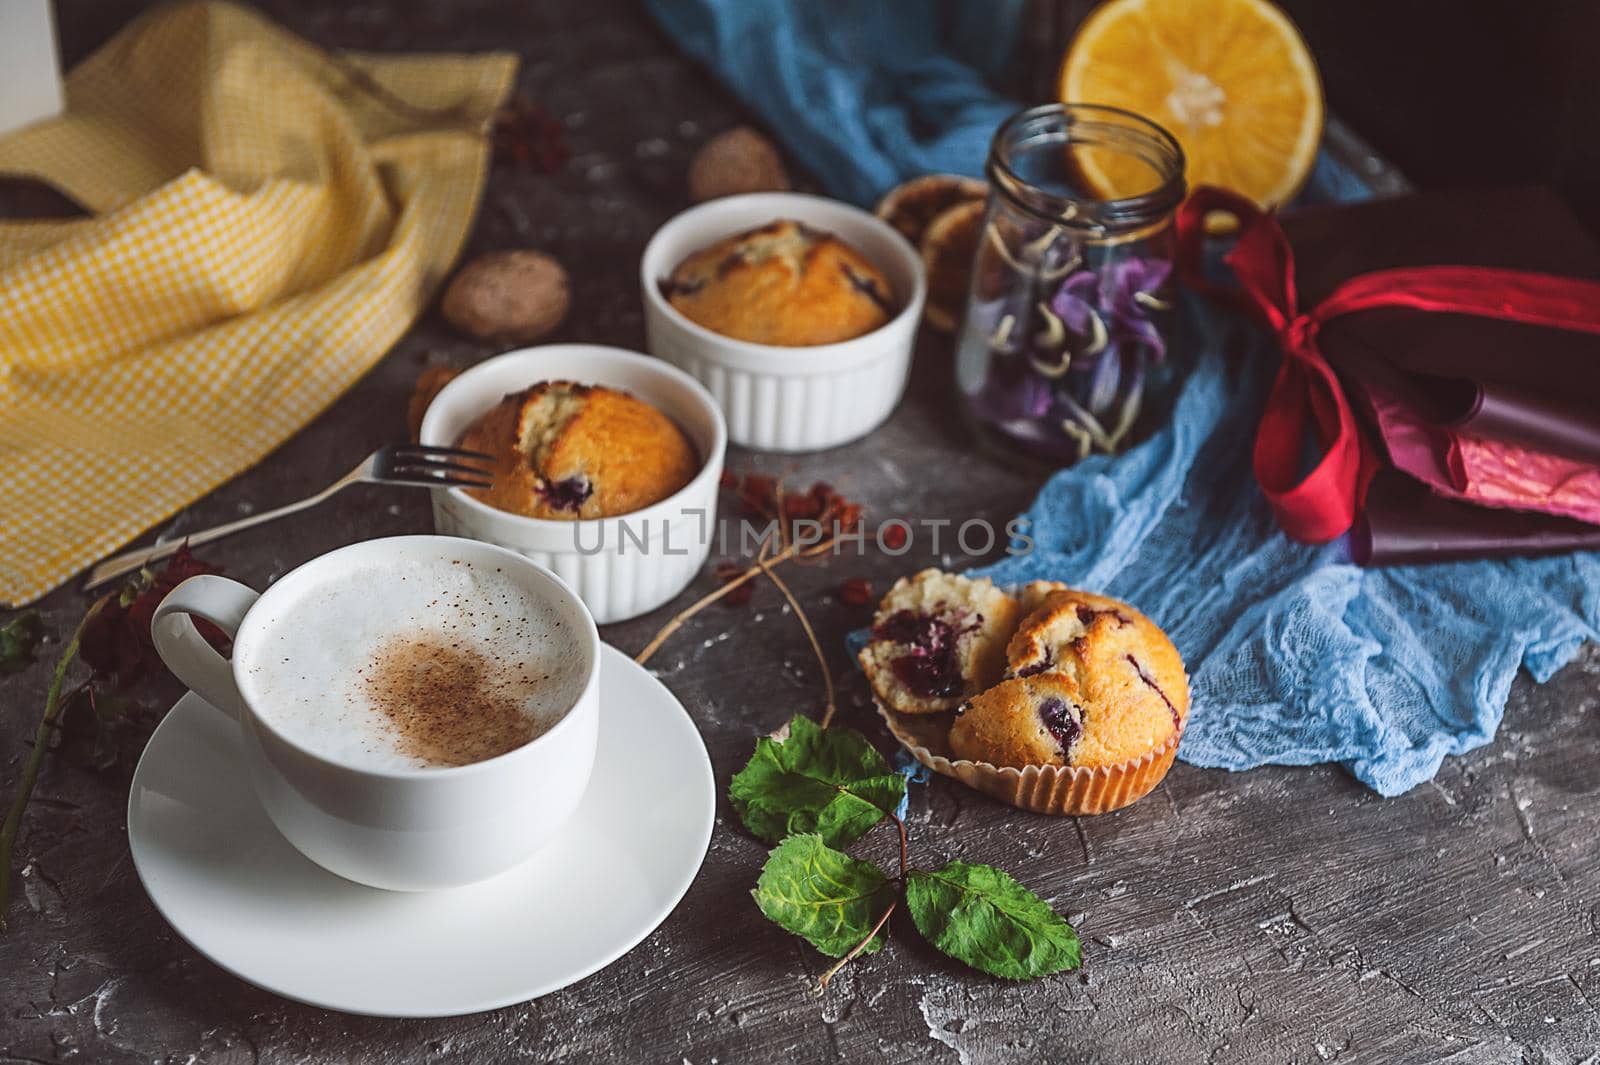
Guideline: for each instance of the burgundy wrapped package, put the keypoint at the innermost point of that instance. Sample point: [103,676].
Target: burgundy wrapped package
[1499,416]
[1405,522]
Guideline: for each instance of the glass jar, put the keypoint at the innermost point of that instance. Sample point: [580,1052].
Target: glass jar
[1063,352]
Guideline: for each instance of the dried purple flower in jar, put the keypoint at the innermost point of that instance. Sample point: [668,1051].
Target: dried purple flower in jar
[1065,378]
[1122,295]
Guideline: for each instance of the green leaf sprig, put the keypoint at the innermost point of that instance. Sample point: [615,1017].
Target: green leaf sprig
[19,641]
[816,791]
[828,781]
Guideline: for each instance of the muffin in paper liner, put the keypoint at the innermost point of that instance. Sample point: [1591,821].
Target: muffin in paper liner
[1098,632]
[1043,789]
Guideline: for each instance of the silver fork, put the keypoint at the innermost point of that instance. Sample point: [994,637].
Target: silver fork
[407,464]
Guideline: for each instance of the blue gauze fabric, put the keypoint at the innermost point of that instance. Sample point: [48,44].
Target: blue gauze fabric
[914,772]
[1296,656]
[862,92]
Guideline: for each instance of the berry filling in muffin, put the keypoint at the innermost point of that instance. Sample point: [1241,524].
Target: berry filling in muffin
[869,288]
[937,638]
[568,494]
[928,667]
[1043,665]
[1144,675]
[1062,722]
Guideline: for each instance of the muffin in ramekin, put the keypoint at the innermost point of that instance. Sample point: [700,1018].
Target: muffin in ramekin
[784,284]
[621,565]
[787,397]
[565,451]
[1085,718]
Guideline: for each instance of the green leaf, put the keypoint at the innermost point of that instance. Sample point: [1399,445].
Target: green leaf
[822,895]
[19,639]
[828,781]
[981,916]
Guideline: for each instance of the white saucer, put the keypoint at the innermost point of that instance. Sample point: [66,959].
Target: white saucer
[242,896]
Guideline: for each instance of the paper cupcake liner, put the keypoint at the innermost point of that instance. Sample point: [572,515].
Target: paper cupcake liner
[1042,789]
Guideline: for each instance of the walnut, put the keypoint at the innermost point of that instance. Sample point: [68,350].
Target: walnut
[508,296]
[740,160]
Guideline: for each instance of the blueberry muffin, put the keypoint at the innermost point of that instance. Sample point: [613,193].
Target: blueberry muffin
[1034,720]
[565,451]
[1091,682]
[784,284]
[937,640]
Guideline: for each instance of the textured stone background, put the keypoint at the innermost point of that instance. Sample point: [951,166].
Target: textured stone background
[1274,916]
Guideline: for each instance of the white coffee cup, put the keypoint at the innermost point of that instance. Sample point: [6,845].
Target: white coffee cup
[403,829]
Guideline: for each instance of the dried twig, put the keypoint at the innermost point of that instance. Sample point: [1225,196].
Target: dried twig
[822,981]
[677,620]
[780,495]
[811,634]
[41,743]
[783,543]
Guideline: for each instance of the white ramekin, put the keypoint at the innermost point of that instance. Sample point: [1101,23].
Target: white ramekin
[783,398]
[621,566]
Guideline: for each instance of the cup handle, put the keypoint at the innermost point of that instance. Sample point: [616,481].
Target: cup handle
[220,601]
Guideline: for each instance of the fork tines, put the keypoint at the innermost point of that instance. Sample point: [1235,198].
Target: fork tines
[444,466]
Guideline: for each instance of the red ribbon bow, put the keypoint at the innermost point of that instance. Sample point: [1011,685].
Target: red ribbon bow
[1323,503]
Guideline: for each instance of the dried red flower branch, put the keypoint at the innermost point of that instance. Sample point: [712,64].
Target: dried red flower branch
[530,136]
[758,493]
[857,591]
[113,639]
[116,642]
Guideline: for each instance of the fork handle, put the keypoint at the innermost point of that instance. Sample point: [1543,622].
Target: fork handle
[139,557]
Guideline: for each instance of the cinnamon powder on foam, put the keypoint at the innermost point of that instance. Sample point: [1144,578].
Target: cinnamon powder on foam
[450,703]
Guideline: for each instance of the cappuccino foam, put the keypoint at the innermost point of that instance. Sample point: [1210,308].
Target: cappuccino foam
[414,663]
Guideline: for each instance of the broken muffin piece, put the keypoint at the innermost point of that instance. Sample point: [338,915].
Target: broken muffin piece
[1034,720]
[937,639]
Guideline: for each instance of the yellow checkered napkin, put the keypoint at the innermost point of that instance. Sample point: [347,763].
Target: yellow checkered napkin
[268,221]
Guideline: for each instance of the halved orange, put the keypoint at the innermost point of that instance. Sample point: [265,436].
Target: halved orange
[1231,79]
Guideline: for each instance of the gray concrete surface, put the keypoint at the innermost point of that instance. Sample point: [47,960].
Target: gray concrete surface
[1282,915]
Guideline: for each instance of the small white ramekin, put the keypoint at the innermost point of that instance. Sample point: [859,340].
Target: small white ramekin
[620,566]
[788,398]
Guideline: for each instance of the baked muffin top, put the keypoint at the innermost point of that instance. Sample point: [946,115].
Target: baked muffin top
[1121,680]
[784,284]
[565,451]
